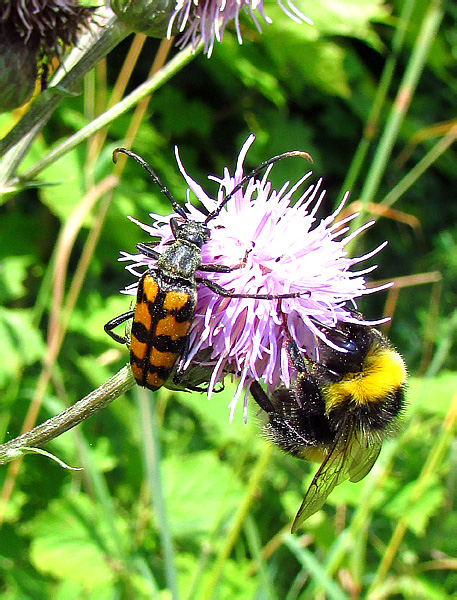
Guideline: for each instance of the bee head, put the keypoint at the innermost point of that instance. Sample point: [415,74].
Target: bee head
[354,340]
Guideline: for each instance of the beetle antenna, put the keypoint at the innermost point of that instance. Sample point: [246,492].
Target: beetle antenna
[253,173]
[176,207]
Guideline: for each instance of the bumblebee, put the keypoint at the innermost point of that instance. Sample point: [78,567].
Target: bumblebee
[167,294]
[340,410]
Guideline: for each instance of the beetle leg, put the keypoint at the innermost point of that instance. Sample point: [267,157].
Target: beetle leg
[147,250]
[118,321]
[218,289]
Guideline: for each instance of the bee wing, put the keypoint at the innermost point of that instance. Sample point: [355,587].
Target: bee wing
[333,470]
[366,452]
[351,456]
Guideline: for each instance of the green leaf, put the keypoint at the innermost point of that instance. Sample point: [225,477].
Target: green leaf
[67,543]
[213,415]
[182,115]
[440,388]
[320,64]
[62,199]
[199,489]
[20,342]
[236,582]
[97,312]
[420,512]
[13,510]
[13,272]
[71,590]
[352,18]
[315,569]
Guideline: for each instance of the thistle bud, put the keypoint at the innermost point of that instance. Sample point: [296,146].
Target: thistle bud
[151,17]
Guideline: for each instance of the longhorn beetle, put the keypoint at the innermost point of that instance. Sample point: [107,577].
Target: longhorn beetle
[167,294]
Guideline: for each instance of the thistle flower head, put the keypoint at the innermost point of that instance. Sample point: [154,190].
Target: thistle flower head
[31,30]
[284,250]
[197,20]
[206,20]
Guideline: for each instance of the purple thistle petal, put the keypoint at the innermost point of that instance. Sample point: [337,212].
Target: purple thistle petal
[206,20]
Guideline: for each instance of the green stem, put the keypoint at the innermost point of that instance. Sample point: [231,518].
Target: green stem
[379,99]
[425,38]
[237,522]
[444,347]
[412,176]
[311,564]
[151,454]
[266,587]
[69,418]
[429,470]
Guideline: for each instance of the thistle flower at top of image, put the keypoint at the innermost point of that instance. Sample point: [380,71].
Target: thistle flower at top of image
[196,20]
[206,20]
[284,250]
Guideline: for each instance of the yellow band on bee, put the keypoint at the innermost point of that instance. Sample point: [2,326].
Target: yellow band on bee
[384,372]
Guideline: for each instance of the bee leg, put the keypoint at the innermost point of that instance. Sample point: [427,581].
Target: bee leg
[295,356]
[308,396]
[261,398]
[306,390]
[118,321]
[180,370]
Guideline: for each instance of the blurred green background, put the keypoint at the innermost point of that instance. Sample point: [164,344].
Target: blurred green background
[173,501]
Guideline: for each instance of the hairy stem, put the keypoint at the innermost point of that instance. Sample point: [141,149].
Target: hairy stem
[69,418]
